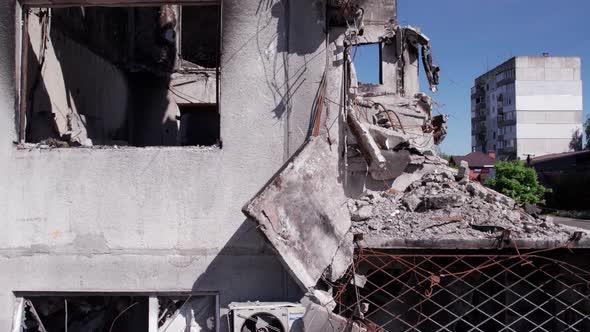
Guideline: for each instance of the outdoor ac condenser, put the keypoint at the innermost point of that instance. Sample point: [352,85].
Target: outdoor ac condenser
[266,317]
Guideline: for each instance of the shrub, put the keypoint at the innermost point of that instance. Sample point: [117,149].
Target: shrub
[517,181]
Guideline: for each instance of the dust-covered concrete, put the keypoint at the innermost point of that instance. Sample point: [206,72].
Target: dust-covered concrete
[436,206]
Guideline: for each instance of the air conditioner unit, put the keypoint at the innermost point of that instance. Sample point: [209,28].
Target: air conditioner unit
[266,317]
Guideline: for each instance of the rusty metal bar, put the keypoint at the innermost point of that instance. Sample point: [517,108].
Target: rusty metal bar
[413,292]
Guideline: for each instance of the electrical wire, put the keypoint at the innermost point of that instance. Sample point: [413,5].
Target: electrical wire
[120,314]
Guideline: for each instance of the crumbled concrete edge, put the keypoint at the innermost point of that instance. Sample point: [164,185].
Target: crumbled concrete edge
[319,318]
[342,260]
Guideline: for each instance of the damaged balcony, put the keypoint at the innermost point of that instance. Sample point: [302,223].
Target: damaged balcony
[121,76]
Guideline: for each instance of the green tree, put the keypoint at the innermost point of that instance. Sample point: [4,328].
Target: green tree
[577,144]
[517,181]
[448,158]
[587,131]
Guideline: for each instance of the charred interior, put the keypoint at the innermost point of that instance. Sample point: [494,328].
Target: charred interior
[113,313]
[123,76]
[86,313]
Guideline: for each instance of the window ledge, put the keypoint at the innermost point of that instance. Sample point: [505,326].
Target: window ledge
[44,147]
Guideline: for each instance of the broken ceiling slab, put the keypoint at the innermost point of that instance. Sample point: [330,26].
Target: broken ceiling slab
[302,211]
[319,319]
[194,88]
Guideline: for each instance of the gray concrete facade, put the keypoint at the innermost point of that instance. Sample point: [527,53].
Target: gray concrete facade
[529,105]
[165,218]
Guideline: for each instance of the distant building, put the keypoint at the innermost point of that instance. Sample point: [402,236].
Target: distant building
[481,165]
[529,105]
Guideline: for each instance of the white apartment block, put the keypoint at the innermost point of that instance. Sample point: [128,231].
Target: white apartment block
[528,105]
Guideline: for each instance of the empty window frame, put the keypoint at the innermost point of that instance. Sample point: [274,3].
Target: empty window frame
[199,125]
[367,63]
[117,75]
[125,312]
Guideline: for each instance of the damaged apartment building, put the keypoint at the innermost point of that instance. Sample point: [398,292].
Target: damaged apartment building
[135,132]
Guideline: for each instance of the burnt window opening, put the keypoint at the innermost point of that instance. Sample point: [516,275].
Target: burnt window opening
[367,63]
[104,312]
[199,45]
[104,76]
[86,313]
[199,125]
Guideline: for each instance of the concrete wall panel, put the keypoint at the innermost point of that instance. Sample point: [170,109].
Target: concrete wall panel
[532,88]
[559,74]
[165,218]
[549,103]
[542,146]
[546,130]
[530,74]
[557,117]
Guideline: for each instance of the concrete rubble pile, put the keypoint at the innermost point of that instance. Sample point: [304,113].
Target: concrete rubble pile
[391,132]
[310,221]
[308,215]
[438,206]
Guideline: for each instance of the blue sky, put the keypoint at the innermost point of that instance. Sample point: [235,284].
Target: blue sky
[470,36]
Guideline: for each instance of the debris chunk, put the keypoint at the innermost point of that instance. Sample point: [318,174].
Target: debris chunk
[364,213]
[302,212]
[463,171]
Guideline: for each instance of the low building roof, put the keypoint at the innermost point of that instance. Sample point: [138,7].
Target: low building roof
[554,156]
[475,159]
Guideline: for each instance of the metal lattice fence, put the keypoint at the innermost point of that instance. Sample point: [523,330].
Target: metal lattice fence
[525,292]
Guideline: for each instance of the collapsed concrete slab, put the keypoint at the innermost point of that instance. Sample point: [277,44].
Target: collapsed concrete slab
[301,211]
[319,319]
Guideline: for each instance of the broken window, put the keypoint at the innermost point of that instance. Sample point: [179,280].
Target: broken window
[367,63]
[199,125]
[121,76]
[192,313]
[118,313]
[199,44]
